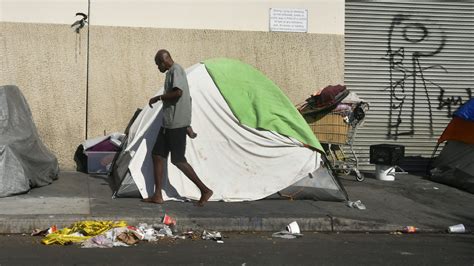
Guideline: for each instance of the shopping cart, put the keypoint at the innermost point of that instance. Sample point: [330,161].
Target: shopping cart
[336,130]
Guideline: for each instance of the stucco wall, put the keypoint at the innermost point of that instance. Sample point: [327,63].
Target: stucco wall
[43,60]
[324,16]
[47,62]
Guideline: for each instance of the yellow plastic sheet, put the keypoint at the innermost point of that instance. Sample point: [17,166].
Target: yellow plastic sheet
[80,231]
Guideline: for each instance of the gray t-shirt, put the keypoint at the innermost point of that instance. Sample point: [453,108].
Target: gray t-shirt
[177,114]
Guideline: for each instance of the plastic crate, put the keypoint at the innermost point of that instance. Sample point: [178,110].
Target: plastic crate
[331,128]
[386,154]
[99,162]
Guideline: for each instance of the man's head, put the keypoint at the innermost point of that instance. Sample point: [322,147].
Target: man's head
[163,60]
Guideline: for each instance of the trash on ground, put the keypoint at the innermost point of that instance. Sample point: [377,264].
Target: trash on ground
[292,231]
[100,241]
[192,235]
[39,232]
[129,237]
[409,229]
[212,235]
[396,233]
[293,228]
[108,234]
[107,240]
[168,220]
[286,235]
[356,204]
[457,229]
[79,232]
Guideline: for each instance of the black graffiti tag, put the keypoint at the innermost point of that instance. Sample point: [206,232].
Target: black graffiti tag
[451,101]
[407,42]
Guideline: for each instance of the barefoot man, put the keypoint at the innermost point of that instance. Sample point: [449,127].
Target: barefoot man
[176,120]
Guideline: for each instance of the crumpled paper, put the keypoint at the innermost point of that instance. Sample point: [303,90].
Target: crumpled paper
[80,231]
[356,204]
[212,235]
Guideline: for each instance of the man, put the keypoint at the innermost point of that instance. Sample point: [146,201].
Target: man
[176,119]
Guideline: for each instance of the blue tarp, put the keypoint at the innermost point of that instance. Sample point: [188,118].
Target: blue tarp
[466,111]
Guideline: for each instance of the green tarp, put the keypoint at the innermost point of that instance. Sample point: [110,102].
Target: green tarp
[257,102]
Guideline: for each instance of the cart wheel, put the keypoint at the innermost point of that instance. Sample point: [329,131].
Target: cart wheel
[359,176]
[346,171]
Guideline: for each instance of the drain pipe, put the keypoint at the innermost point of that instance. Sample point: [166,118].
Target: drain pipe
[87,68]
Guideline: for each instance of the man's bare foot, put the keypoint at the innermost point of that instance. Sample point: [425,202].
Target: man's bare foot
[153,200]
[204,198]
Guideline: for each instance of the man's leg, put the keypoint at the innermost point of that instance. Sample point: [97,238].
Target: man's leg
[158,164]
[159,154]
[178,149]
[188,170]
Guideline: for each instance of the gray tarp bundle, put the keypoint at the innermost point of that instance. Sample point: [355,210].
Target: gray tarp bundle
[454,166]
[24,160]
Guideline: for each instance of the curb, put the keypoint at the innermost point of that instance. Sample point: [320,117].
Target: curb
[27,224]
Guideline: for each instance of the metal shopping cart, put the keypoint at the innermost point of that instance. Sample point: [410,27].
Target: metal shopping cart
[336,129]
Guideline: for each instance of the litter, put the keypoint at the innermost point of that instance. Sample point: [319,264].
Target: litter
[457,228]
[107,240]
[129,237]
[100,241]
[356,204]
[168,220]
[149,233]
[165,231]
[191,235]
[286,235]
[293,228]
[39,232]
[137,231]
[410,229]
[107,234]
[86,230]
[292,231]
[212,235]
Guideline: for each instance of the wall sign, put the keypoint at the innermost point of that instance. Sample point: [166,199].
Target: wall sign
[289,19]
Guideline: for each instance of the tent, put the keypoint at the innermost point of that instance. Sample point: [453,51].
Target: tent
[24,161]
[455,164]
[252,142]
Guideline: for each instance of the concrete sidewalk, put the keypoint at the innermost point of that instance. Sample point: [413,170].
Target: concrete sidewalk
[409,200]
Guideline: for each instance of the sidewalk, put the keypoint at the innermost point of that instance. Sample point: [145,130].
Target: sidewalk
[409,200]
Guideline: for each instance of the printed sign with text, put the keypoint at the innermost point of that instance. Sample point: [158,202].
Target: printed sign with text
[289,19]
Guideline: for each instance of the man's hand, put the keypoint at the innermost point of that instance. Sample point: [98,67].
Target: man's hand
[154,100]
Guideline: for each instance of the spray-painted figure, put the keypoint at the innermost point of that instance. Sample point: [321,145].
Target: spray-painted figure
[408,42]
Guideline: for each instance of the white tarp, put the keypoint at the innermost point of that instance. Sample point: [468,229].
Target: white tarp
[237,162]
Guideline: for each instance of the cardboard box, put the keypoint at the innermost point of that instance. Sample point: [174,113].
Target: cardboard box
[99,162]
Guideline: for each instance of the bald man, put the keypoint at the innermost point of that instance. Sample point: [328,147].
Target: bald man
[176,120]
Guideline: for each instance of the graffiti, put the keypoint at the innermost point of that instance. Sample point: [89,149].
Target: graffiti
[451,101]
[408,40]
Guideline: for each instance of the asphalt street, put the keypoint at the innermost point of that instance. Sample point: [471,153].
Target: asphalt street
[254,249]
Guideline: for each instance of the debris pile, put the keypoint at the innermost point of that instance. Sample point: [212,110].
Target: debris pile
[107,234]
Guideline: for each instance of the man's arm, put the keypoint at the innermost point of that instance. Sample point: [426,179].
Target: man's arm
[169,96]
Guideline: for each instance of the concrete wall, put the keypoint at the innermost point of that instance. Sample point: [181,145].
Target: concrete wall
[44,61]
